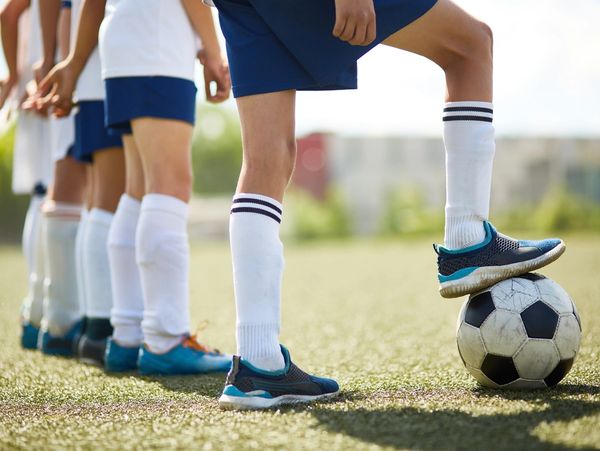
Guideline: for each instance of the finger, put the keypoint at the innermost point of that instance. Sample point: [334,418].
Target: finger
[349,30]
[371,32]
[339,26]
[46,83]
[359,34]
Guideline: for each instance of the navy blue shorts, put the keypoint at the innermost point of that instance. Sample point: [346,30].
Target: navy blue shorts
[91,135]
[275,45]
[129,98]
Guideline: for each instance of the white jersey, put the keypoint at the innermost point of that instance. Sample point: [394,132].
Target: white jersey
[147,38]
[90,85]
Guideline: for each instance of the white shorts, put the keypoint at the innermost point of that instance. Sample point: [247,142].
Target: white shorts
[62,136]
[32,158]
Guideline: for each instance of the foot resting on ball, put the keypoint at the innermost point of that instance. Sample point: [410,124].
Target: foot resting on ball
[248,387]
[498,257]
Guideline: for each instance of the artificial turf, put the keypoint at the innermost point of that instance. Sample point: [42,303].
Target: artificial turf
[366,313]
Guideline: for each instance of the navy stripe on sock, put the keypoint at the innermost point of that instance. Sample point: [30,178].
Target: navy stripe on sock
[467,118]
[256,210]
[250,200]
[468,108]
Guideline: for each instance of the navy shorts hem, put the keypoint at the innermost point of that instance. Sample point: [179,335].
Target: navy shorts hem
[273,46]
[91,135]
[129,98]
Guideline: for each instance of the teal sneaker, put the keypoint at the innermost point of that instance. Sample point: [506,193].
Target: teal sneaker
[248,387]
[188,357]
[496,258]
[120,358]
[29,336]
[61,346]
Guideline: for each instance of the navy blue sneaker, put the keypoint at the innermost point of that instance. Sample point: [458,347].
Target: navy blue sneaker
[61,346]
[498,257]
[248,387]
[120,358]
[29,336]
[188,357]
[90,350]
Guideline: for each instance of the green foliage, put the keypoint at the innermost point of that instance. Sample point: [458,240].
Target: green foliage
[406,213]
[216,151]
[310,219]
[12,208]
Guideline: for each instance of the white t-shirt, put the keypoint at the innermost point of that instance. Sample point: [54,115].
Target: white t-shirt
[147,38]
[90,85]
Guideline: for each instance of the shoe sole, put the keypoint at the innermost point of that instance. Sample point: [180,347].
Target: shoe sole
[487,276]
[227,402]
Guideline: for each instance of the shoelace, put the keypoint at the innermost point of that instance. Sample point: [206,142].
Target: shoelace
[192,341]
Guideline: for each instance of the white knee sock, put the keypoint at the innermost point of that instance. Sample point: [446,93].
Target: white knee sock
[30,229]
[61,302]
[470,147]
[79,263]
[128,303]
[162,253]
[33,244]
[257,254]
[98,292]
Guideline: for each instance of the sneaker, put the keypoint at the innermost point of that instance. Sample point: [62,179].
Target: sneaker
[61,346]
[29,336]
[498,257]
[90,350]
[188,357]
[120,358]
[248,387]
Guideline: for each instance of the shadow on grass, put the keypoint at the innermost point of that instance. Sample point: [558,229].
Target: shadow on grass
[209,385]
[453,429]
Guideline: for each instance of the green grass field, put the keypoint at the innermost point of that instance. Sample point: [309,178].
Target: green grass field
[366,313]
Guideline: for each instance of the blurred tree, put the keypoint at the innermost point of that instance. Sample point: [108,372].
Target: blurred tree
[216,150]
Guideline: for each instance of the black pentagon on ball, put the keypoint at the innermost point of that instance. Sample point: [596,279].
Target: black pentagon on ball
[479,308]
[500,370]
[558,373]
[531,276]
[540,320]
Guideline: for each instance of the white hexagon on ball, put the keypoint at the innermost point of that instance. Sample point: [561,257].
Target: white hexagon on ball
[536,359]
[470,345]
[554,295]
[515,294]
[503,333]
[568,336]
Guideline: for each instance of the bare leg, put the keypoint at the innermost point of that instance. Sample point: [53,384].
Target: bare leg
[108,174]
[134,177]
[268,134]
[458,43]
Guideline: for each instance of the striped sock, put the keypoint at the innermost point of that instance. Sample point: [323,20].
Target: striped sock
[257,255]
[470,147]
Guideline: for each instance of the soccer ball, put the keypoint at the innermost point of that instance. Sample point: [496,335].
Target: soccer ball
[522,332]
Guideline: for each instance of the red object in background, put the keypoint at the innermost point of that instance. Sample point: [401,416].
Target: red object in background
[311,173]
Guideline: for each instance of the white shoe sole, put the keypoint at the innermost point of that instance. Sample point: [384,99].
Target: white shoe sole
[255,402]
[486,276]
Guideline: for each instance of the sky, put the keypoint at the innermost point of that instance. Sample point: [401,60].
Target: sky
[546,76]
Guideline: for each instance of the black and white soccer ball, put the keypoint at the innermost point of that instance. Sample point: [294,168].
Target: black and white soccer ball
[522,332]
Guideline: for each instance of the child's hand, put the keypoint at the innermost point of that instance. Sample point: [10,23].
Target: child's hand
[56,90]
[215,70]
[355,21]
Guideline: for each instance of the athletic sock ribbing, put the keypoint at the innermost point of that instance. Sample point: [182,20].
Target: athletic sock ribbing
[257,255]
[470,148]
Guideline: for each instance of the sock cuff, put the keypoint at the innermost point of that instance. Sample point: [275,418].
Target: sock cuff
[257,204]
[166,204]
[468,111]
[62,210]
[130,204]
[100,216]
